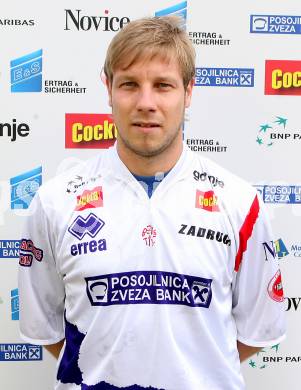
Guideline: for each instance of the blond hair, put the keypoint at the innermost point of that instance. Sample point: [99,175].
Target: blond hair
[149,37]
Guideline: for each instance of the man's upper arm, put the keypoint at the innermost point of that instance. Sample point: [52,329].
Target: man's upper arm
[257,290]
[41,288]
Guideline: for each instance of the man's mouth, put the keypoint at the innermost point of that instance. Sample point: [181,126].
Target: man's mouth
[146,124]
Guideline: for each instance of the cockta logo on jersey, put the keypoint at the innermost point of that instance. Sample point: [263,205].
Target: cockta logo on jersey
[91,131]
[26,73]
[179,9]
[275,24]
[275,289]
[24,187]
[91,226]
[20,352]
[224,77]
[215,181]
[208,234]
[90,199]
[145,287]
[280,194]
[206,201]
[28,251]
[282,77]
[274,249]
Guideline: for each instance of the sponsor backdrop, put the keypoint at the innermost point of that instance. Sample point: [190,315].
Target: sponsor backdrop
[244,115]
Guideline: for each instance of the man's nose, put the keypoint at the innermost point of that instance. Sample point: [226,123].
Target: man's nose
[146,99]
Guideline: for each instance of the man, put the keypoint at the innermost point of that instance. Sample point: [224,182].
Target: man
[156,286]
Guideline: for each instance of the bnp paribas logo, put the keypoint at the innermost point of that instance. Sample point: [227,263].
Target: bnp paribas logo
[179,9]
[271,131]
[265,356]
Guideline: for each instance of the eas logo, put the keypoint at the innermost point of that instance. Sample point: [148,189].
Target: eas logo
[24,187]
[275,289]
[89,131]
[90,199]
[282,77]
[206,201]
[26,73]
[275,249]
[179,9]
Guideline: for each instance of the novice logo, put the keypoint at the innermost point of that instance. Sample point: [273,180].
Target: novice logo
[282,77]
[89,131]
[26,73]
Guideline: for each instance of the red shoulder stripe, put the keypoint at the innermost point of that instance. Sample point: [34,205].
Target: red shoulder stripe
[246,231]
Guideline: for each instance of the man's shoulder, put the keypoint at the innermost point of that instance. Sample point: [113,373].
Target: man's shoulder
[74,180]
[222,180]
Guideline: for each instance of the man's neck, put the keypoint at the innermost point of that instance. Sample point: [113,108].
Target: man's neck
[150,166]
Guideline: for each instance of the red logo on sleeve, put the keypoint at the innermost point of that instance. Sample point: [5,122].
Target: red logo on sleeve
[90,199]
[206,201]
[275,289]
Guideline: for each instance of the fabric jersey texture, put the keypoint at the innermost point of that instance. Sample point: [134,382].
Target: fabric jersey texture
[149,293]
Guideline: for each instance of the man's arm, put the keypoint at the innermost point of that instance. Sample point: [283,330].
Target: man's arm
[245,351]
[55,349]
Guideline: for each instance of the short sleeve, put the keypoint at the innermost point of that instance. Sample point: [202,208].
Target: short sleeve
[258,307]
[41,288]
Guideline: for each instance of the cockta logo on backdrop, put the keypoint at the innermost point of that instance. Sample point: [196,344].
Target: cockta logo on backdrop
[275,24]
[24,187]
[280,194]
[26,73]
[76,19]
[224,77]
[94,131]
[282,77]
[179,9]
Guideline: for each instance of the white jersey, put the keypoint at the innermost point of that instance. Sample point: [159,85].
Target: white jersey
[149,293]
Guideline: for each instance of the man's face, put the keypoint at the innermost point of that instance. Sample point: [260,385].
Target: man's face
[148,101]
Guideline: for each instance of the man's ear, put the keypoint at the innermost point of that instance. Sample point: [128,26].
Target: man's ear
[109,89]
[188,93]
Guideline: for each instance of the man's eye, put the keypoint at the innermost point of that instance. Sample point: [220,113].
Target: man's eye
[164,85]
[128,84]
